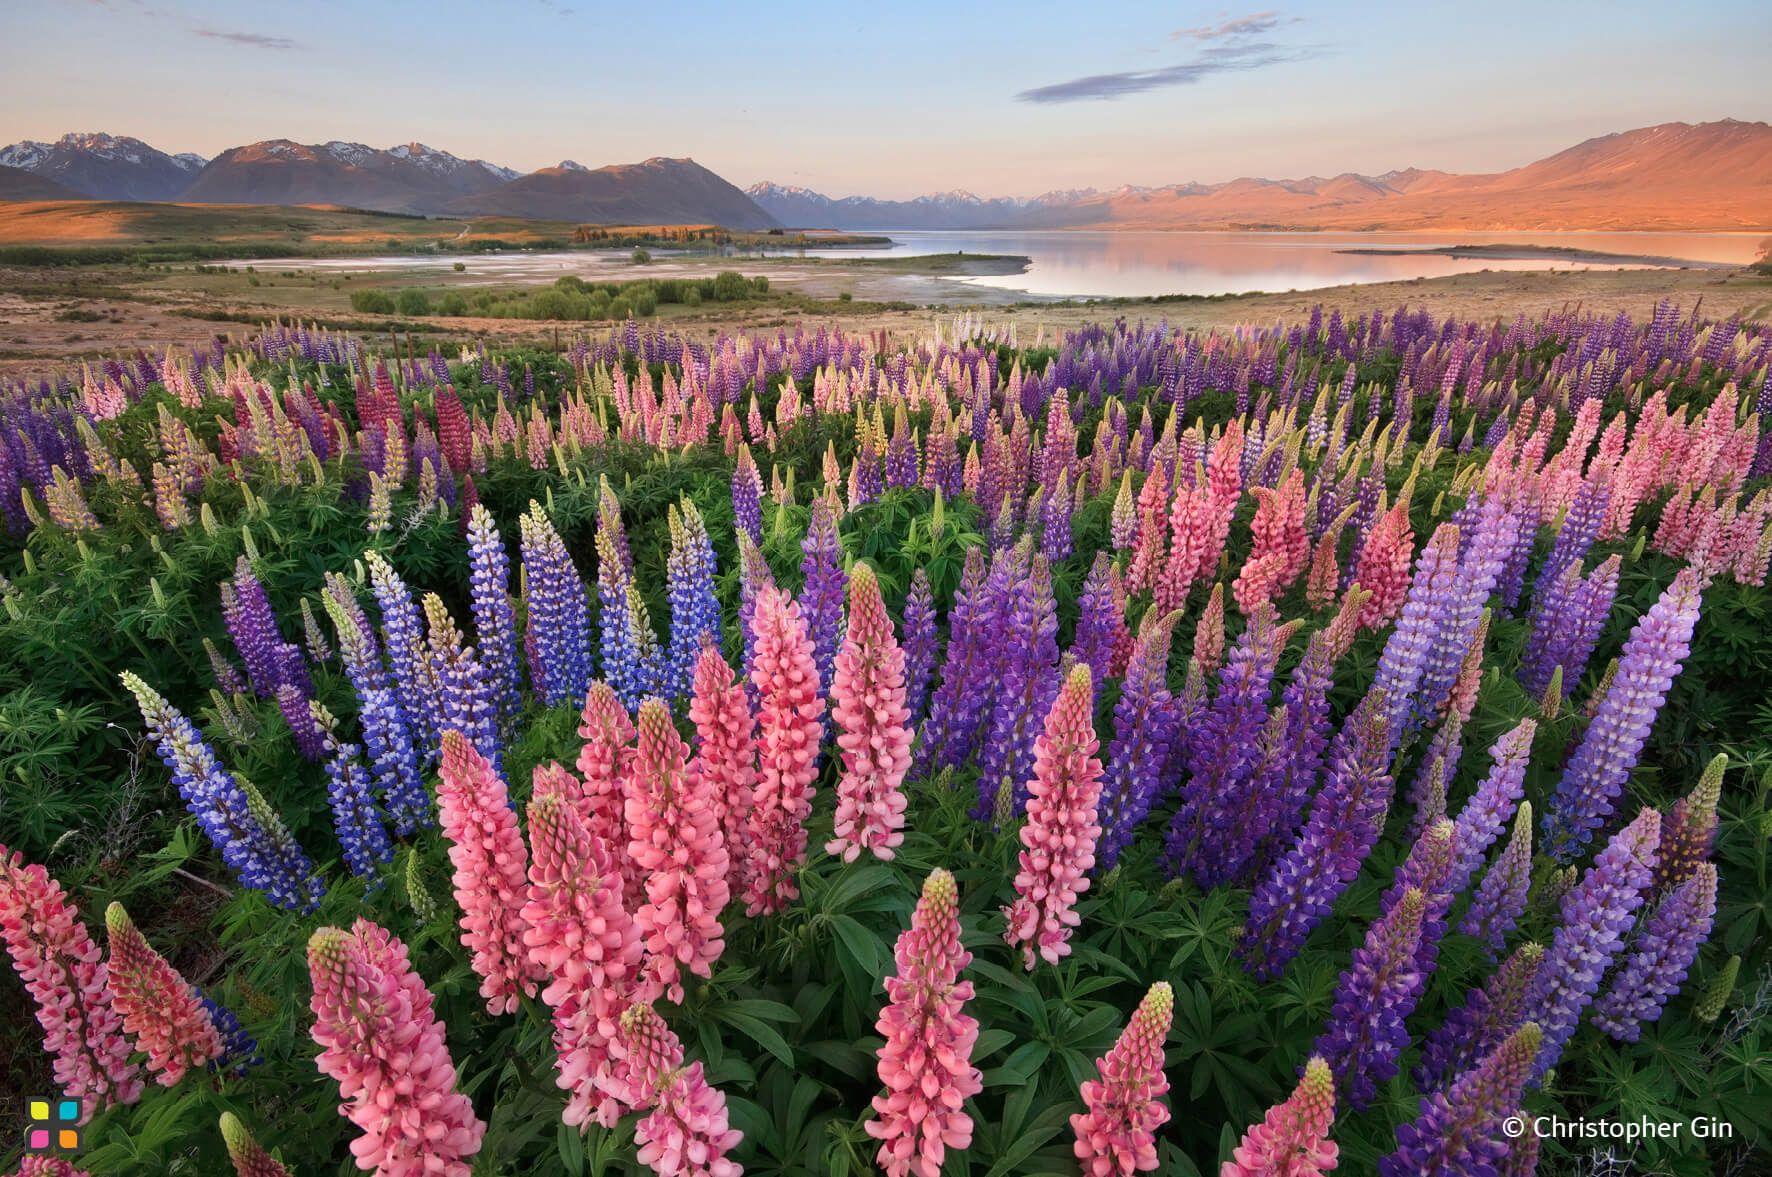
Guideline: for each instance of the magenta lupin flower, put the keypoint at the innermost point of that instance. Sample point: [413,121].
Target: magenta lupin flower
[1117,1135]
[873,727]
[1661,954]
[486,850]
[382,1042]
[686,1131]
[67,979]
[1058,839]
[1292,1140]
[41,1165]
[675,842]
[159,1008]
[725,752]
[579,936]
[789,712]
[926,1061]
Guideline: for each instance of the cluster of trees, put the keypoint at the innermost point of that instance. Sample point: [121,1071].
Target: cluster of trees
[569,298]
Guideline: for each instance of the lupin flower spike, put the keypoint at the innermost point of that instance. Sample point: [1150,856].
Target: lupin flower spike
[160,1010]
[868,705]
[1117,1135]
[789,713]
[1293,1139]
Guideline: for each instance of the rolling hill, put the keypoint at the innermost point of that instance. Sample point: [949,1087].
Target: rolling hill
[656,191]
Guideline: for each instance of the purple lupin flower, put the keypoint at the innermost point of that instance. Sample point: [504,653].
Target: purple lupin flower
[1596,914]
[1101,620]
[1024,686]
[354,818]
[922,643]
[251,839]
[970,661]
[615,577]
[558,614]
[1215,832]
[1484,816]
[1661,953]
[821,598]
[1143,722]
[1428,869]
[252,623]
[1597,772]
[1459,1130]
[1376,993]
[464,697]
[403,638]
[1567,618]
[1479,569]
[495,621]
[1501,896]
[294,703]
[1432,594]
[695,610]
[1345,819]
[747,495]
[393,759]
[1488,1014]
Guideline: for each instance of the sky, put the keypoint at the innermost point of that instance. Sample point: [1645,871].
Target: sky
[892,99]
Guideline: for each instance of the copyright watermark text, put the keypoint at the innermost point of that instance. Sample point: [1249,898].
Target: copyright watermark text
[1627,1131]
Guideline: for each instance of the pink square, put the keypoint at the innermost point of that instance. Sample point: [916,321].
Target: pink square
[40,1138]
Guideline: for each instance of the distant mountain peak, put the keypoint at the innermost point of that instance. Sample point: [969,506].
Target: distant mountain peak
[570,165]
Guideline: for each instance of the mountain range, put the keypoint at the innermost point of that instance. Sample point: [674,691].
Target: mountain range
[1715,175]
[409,178]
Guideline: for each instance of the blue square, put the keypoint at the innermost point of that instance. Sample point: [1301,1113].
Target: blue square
[68,1110]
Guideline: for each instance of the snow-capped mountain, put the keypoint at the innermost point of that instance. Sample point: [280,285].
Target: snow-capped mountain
[111,167]
[411,177]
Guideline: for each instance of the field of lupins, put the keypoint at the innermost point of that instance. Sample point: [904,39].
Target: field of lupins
[1281,751]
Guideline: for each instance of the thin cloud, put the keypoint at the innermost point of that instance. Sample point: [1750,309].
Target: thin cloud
[1241,26]
[250,40]
[1220,59]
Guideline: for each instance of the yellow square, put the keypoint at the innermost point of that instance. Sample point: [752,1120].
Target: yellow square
[39,1109]
[69,1138]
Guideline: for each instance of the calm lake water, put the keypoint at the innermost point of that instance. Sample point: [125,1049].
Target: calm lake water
[1100,264]
[1136,264]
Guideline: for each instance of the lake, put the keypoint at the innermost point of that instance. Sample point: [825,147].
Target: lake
[1072,263]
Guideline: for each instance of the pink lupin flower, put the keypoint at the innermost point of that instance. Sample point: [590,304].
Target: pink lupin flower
[381,1041]
[873,727]
[605,761]
[578,935]
[1224,484]
[1383,568]
[1209,633]
[926,1060]
[1150,542]
[1190,528]
[675,842]
[686,1132]
[1281,545]
[249,1156]
[67,979]
[1325,569]
[486,849]
[1058,838]
[788,730]
[1117,1136]
[725,752]
[1293,1139]
[39,1165]
[159,1008]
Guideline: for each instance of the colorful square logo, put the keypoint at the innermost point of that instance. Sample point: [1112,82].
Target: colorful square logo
[54,1125]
